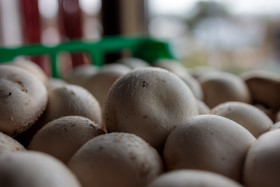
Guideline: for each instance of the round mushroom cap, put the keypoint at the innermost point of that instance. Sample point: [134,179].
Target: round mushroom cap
[116,160]
[220,87]
[8,144]
[262,164]
[133,63]
[33,169]
[23,99]
[249,116]
[62,137]
[148,102]
[208,142]
[193,178]
[72,100]
[32,68]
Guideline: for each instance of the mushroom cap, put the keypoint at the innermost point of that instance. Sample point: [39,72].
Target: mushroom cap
[208,142]
[249,116]
[33,169]
[8,144]
[72,100]
[262,164]
[193,178]
[220,87]
[62,137]
[116,160]
[148,102]
[23,99]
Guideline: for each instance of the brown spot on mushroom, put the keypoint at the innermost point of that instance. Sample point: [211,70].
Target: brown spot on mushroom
[73,93]
[3,93]
[145,117]
[145,84]
[21,86]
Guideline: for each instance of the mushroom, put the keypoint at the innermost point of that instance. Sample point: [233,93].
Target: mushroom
[33,169]
[249,116]
[23,99]
[72,100]
[262,164]
[208,142]
[148,102]
[8,144]
[193,178]
[62,137]
[116,160]
[220,87]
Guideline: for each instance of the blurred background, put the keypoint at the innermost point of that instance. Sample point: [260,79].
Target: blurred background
[233,35]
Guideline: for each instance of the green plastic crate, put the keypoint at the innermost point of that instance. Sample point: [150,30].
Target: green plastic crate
[140,47]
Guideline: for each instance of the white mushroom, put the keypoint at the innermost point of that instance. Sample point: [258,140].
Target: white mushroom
[62,137]
[149,102]
[249,116]
[208,142]
[23,99]
[116,160]
[34,169]
[192,178]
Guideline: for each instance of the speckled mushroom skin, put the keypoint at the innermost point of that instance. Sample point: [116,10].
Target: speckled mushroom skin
[149,102]
[8,144]
[62,137]
[192,178]
[34,169]
[249,116]
[211,143]
[23,98]
[116,160]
